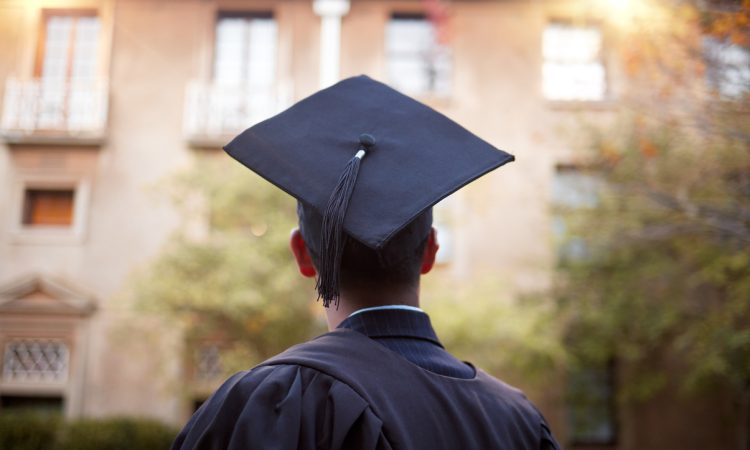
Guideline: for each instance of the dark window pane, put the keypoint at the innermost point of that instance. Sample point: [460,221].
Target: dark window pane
[573,190]
[53,404]
[591,405]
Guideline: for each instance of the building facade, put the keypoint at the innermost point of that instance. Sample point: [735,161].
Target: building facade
[103,99]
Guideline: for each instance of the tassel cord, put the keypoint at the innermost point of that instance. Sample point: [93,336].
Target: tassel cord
[333,238]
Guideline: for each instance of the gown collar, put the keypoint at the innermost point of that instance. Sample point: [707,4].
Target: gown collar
[387,322]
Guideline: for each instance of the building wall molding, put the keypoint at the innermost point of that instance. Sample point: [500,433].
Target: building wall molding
[44,295]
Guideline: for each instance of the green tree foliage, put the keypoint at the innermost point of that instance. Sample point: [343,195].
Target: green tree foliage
[227,275]
[114,434]
[26,430]
[32,430]
[666,271]
[517,339]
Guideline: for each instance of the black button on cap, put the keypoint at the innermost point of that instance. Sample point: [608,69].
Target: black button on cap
[366,140]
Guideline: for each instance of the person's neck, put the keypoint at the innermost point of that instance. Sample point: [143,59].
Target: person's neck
[354,300]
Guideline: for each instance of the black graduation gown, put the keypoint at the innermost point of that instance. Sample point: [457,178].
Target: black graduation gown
[343,390]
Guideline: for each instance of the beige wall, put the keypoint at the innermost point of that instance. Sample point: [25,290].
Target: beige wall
[150,50]
[153,48]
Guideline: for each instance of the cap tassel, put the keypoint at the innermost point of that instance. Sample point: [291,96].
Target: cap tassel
[333,238]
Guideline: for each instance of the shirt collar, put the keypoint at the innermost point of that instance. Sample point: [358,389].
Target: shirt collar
[387,307]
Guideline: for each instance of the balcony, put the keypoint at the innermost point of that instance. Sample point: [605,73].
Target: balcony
[215,113]
[62,112]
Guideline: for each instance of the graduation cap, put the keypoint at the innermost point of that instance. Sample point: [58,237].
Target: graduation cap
[364,162]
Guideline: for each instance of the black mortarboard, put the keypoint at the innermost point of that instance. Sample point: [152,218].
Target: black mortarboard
[411,157]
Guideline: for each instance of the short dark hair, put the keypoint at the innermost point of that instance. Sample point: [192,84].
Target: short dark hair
[397,263]
[361,265]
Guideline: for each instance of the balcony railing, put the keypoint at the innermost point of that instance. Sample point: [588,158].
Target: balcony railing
[215,113]
[62,111]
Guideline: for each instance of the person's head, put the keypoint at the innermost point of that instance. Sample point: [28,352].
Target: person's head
[397,266]
[369,160]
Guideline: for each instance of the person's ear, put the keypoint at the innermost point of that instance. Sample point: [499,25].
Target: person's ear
[430,250]
[301,255]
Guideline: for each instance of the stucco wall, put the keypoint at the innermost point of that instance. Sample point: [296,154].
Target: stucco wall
[154,48]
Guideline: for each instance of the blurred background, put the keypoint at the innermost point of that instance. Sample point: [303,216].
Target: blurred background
[606,272]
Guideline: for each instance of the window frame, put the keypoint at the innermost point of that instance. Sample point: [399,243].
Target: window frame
[567,247]
[216,109]
[241,14]
[449,77]
[50,234]
[608,95]
[57,388]
[65,341]
[45,15]
[27,213]
[41,307]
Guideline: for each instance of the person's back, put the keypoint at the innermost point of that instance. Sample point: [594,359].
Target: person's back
[380,378]
[344,390]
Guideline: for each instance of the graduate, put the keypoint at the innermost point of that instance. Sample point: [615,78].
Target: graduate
[366,164]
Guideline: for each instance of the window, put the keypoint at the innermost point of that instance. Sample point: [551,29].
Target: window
[205,370]
[208,365]
[35,373]
[728,68]
[591,405]
[52,207]
[573,69]
[245,52]
[69,46]
[67,67]
[67,99]
[573,189]
[243,90]
[244,69]
[41,403]
[43,344]
[49,209]
[35,360]
[417,63]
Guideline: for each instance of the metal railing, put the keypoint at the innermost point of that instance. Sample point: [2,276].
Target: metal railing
[54,108]
[214,112]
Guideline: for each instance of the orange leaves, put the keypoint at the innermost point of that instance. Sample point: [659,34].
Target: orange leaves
[632,61]
[740,39]
[609,153]
[731,25]
[647,148]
